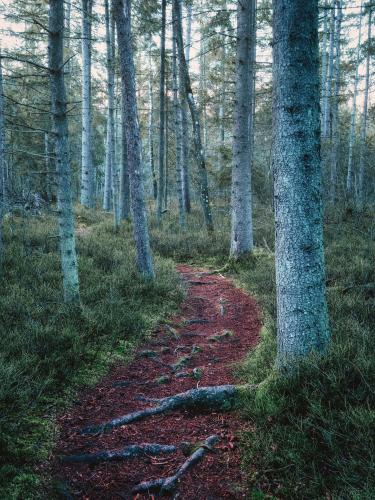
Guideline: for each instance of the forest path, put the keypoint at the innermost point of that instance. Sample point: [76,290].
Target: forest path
[216,327]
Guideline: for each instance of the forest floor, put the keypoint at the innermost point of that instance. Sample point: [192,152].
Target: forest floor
[217,325]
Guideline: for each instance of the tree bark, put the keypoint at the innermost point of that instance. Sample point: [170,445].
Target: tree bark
[335,142]
[324,68]
[87,187]
[161,184]
[302,321]
[151,131]
[178,133]
[122,13]
[124,179]
[331,60]
[362,150]
[2,165]
[352,134]
[242,223]
[111,143]
[68,255]
[188,95]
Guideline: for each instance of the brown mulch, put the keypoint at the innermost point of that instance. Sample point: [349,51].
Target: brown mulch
[223,308]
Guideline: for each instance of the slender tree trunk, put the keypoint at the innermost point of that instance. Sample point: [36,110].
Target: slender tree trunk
[161,185]
[87,187]
[2,165]
[302,321]
[188,95]
[60,122]
[151,131]
[178,133]
[324,67]
[349,176]
[329,86]
[166,152]
[335,107]
[124,180]
[122,12]
[221,110]
[242,223]
[189,12]
[202,87]
[111,143]
[362,150]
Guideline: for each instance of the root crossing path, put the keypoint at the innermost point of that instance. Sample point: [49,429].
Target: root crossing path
[188,451]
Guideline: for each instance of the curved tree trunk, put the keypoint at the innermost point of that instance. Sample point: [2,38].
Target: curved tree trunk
[242,223]
[302,322]
[60,122]
[87,181]
[122,13]
[189,97]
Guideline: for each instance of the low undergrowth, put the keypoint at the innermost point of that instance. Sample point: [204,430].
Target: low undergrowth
[312,435]
[48,349]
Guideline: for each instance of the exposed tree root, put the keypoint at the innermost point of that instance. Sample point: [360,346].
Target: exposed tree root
[220,396]
[169,484]
[132,451]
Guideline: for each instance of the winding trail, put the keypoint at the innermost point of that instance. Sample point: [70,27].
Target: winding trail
[217,326]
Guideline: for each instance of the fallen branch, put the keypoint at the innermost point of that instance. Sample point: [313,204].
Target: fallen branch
[129,452]
[218,397]
[169,484]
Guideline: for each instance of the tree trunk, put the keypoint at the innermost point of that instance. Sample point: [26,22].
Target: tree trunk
[124,180]
[302,322]
[122,12]
[188,95]
[335,107]
[111,143]
[362,150]
[178,133]
[151,132]
[161,185]
[331,60]
[189,12]
[324,68]
[2,164]
[87,187]
[242,224]
[60,122]
[349,176]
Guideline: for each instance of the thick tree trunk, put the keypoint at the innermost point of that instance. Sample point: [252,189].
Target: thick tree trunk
[87,186]
[302,322]
[122,12]
[335,107]
[111,143]
[60,122]
[161,184]
[178,134]
[151,132]
[242,223]
[188,95]
[362,144]
[349,176]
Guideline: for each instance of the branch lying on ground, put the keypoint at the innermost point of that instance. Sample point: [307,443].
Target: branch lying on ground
[215,397]
[129,452]
[169,484]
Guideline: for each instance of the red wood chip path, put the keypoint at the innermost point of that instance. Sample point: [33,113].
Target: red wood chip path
[221,309]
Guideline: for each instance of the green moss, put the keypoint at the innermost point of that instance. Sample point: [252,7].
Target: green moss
[49,349]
